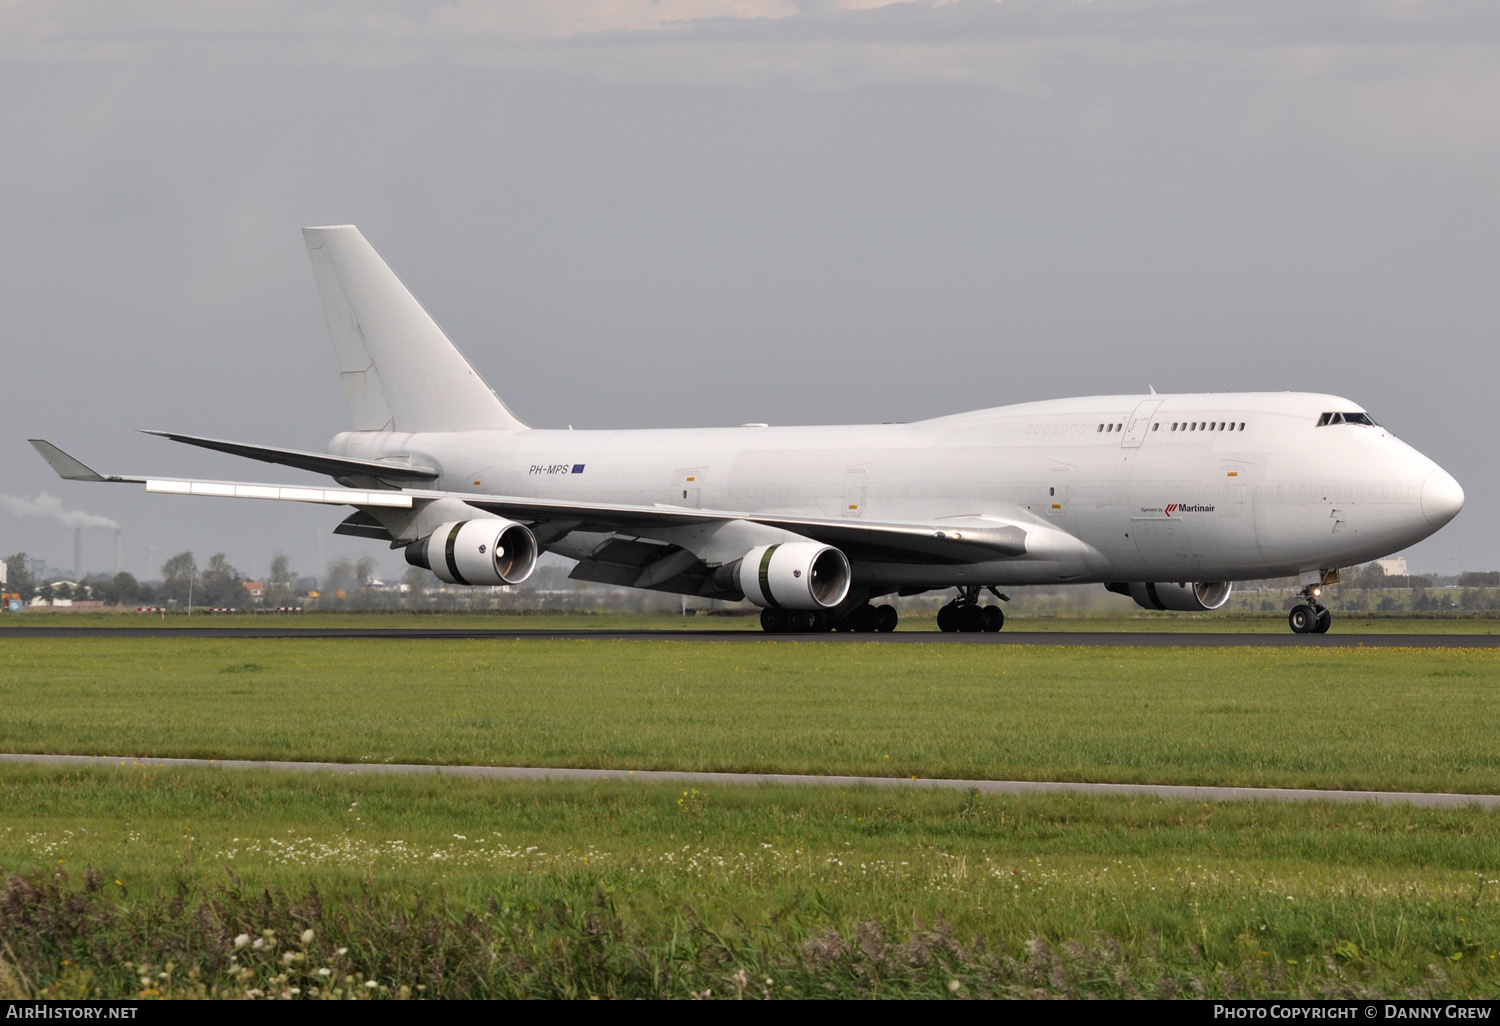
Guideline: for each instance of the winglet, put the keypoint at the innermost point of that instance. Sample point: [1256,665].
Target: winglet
[66,466]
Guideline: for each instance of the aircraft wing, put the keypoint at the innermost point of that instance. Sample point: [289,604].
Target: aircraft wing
[960,540]
[71,469]
[317,462]
[956,540]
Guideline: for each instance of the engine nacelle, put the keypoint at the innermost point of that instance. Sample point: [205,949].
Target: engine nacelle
[490,551]
[1187,597]
[794,575]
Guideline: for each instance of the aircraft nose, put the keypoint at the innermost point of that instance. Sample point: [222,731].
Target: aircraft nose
[1442,497]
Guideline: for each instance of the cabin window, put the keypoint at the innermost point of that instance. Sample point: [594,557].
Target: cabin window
[1155,426]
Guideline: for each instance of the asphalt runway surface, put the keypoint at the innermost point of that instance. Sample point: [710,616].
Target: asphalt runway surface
[1178,792]
[1077,639]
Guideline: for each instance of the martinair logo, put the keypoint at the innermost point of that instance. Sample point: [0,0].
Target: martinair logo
[1186,507]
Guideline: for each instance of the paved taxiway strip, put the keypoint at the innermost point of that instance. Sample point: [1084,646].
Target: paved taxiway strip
[1170,791]
[1272,639]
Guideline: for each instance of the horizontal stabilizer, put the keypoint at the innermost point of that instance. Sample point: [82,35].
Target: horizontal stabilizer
[317,462]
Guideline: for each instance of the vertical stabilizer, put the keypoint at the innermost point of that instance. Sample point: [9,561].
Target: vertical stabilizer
[399,370]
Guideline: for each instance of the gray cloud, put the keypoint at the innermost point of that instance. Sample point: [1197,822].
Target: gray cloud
[832,215]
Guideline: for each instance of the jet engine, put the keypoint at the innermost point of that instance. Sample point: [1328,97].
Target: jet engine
[490,551]
[794,575]
[1188,597]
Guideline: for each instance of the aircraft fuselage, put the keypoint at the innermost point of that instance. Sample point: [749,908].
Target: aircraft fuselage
[1222,487]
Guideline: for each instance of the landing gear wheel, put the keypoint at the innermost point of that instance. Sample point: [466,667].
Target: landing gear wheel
[772,621]
[948,618]
[1325,620]
[971,619]
[798,621]
[994,619]
[865,619]
[1303,619]
[887,618]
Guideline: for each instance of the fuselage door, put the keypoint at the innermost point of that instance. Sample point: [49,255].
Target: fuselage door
[689,488]
[854,493]
[1057,491]
[1139,424]
[1231,499]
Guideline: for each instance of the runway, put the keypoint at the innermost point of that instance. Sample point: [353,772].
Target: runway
[1073,639]
[1176,792]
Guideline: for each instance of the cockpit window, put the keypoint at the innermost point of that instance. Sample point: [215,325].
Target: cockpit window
[1346,418]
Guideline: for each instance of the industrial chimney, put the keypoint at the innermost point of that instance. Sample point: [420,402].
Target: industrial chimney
[77,553]
[119,550]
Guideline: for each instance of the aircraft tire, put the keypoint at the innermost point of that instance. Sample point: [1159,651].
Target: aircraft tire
[971,619]
[1302,619]
[947,618]
[1325,620]
[887,616]
[994,619]
[772,621]
[865,619]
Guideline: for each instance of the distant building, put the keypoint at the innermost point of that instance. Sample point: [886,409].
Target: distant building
[1393,567]
[257,590]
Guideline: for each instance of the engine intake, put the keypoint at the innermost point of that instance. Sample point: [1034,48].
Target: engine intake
[477,552]
[1184,596]
[794,575]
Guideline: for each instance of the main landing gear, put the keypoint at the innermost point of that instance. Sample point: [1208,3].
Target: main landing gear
[863,618]
[966,614]
[1310,617]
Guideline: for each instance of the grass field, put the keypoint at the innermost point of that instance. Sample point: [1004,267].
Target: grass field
[449,887]
[110,878]
[1341,718]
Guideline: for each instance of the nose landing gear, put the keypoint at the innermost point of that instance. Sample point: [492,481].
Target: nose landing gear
[1310,617]
[966,614]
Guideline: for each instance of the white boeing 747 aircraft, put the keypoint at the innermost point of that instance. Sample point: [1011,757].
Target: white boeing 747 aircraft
[1166,498]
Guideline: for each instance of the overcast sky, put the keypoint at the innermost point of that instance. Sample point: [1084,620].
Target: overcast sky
[689,212]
